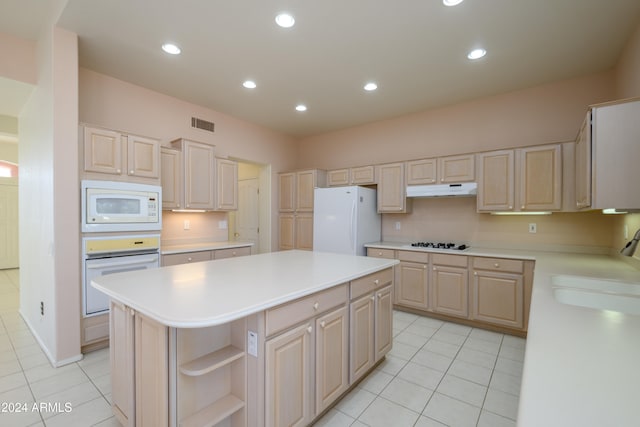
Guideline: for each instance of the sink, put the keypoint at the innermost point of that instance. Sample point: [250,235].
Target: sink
[601,294]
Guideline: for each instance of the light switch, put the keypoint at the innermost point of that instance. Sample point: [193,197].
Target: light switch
[187,224]
[533,228]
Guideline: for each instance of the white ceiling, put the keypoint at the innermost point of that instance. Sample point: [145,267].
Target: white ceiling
[414,49]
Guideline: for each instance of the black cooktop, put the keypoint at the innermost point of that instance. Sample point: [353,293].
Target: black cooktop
[440,245]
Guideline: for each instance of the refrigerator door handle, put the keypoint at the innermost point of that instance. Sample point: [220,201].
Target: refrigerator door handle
[352,242]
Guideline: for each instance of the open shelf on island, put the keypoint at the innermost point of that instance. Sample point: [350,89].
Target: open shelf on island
[214,413]
[212,361]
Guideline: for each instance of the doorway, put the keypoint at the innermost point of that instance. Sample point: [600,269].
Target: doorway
[8,216]
[251,222]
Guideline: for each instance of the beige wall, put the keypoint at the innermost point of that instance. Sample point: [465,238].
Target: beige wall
[115,104]
[9,151]
[22,65]
[49,218]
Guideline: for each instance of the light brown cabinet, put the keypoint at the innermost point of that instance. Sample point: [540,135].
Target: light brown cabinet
[362,175]
[525,179]
[139,368]
[198,256]
[171,178]
[306,355]
[497,181]
[332,362]
[125,156]
[540,183]
[197,189]
[583,165]
[424,171]
[370,321]
[614,131]
[499,291]
[295,203]
[450,285]
[226,195]
[412,279]
[392,189]
[452,169]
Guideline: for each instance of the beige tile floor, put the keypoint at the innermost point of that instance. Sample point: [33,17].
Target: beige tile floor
[438,374]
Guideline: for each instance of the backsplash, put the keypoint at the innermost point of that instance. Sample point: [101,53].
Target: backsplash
[456,220]
[203,227]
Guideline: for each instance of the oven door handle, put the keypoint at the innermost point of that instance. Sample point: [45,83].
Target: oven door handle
[120,264]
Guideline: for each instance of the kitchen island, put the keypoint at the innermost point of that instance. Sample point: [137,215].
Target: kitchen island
[270,339]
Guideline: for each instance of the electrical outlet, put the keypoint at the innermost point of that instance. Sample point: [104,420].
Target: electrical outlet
[626,232]
[187,224]
[222,225]
[41,308]
[252,343]
[533,227]
[398,225]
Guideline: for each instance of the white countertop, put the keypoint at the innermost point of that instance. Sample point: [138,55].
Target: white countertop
[215,292]
[582,365]
[167,249]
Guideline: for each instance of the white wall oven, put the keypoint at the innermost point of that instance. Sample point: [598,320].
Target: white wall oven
[108,255]
[111,206]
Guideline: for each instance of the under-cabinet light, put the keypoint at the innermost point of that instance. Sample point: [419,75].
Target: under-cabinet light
[612,211]
[188,210]
[521,213]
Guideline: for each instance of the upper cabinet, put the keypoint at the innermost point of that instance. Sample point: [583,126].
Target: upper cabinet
[362,175]
[226,185]
[614,133]
[540,183]
[296,189]
[441,170]
[392,189]
[122,156]
[193,178]
[454,169]
[525,179]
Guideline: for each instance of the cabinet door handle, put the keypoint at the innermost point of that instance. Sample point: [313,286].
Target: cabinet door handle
[510,207]
[189,259]
[118,171]
[379,253]
[373,297]
[435,269]
[475,273]
[310,329]
[131,172]
[322,324]
[496,265]
[376,282]
[522,207]
[316,306]
[379,295]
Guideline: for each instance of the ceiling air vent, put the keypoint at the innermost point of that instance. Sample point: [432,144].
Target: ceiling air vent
[202,124]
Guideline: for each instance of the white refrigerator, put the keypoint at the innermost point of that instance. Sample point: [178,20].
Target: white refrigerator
[344,219]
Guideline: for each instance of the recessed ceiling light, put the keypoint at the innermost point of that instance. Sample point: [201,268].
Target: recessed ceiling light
[301,107]
[476,54]
[371,86]
[249,84]
[451,2]
[285,20]
[171,48]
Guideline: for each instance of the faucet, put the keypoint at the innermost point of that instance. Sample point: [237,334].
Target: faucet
[631,246]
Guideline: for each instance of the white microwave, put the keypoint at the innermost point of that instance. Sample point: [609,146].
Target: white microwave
[120,206]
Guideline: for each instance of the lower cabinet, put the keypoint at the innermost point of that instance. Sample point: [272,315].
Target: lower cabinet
[371,312]
[450,285]
[412,279]
[139,368]
[499,290]
[310,358]
[296,231]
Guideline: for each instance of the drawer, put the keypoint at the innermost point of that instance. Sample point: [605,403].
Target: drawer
[231,252]
[452,260]
[498,264]
[185,258]
[413,256]
[370,282]
[289,314]
[381,253]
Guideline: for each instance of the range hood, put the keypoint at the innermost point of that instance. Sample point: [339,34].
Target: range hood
[467,189]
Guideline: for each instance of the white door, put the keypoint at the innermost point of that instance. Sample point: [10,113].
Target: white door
[8,223]
[248,214]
